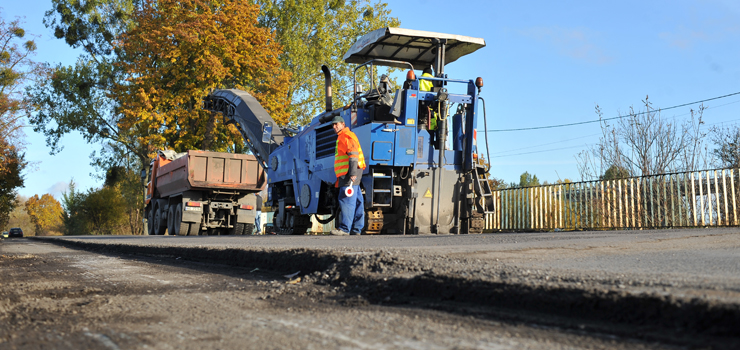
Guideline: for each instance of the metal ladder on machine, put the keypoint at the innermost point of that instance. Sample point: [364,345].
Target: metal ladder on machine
[484,202]
[381,196]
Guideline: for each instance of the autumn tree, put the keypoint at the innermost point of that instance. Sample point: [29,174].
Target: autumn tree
[177,53]
[18,217]
[17,70]
[318,32]
[128,183]
[97,211]
[12,163]
[45,213]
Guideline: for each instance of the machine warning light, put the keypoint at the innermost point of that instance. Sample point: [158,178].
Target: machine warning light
[410,75]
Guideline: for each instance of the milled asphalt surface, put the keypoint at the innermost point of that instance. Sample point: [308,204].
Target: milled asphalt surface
[671,285]
[707,253]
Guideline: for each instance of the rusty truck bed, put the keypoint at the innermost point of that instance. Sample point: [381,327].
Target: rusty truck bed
[205,170]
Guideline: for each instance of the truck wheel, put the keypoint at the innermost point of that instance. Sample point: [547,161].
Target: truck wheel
[248,229]
[158,227]
[171,221]
[182,228]
[238,229]
[150,221]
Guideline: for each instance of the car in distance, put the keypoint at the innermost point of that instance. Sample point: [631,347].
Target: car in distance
[5,234]
[15,232]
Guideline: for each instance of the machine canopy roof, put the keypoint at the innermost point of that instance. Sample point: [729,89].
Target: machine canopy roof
[413,46]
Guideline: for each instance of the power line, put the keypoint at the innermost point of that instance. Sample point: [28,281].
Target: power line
[542,151]
[543,144]
[618,117]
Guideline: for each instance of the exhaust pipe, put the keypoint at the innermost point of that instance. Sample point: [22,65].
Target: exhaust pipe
[327,85]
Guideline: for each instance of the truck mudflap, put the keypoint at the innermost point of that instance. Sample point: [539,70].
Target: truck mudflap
[192,212]
[246,209]
[242,109]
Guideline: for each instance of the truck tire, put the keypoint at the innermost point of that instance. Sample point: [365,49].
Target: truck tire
[248,229]
[158,227]
[181,228]
[150,221]
[171,221]
[238,229]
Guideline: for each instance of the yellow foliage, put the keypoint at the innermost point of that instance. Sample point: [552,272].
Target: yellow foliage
[44,212]
[178,53]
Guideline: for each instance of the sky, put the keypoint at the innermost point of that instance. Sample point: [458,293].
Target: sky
[545,63]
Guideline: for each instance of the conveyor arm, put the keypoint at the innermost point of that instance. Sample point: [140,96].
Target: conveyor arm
[242,109]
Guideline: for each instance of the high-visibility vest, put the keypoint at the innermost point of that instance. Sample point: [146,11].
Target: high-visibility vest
[347,147]
[426,85]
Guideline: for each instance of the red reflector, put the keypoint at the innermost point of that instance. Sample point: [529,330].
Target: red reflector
[193,204]
[413,95]
[247,207]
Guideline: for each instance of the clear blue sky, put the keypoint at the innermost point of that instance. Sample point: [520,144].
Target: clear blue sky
[545,63]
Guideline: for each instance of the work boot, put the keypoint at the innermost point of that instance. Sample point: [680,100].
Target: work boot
[354,233]
[336,232]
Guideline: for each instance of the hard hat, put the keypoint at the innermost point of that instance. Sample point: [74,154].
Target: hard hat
[337,119]
[427,70]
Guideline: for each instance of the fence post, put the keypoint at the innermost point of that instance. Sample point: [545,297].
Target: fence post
[734,195]
[716,199]
[724,196]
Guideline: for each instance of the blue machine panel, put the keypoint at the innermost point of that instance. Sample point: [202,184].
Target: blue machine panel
[382,150]
[405,145]
[371,133]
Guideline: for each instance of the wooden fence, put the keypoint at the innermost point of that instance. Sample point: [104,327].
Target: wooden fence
[692,199]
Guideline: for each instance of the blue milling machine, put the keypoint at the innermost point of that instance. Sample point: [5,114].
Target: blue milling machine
[417,180]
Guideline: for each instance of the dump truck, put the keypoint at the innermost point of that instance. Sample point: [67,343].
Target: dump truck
[202,193]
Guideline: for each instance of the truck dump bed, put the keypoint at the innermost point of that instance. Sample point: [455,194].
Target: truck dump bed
[203,170]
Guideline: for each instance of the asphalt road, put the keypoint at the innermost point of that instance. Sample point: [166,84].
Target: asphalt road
[611,290]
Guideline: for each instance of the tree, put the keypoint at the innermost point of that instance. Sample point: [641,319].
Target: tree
[615,172]
[178,52]
[73,216]
[645,143]
[727,141]
[528,180]
[17,69]
[12,163]
[18,217]
[45,213]
[318,32]
[102,210]
[128,183]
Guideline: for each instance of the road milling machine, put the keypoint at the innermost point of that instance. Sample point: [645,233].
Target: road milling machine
[418,180]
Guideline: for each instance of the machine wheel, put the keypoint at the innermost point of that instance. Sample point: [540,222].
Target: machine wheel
[159,228]
[150,221]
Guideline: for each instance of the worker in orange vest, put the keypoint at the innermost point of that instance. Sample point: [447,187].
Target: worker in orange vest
[348,165]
